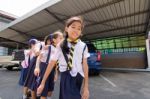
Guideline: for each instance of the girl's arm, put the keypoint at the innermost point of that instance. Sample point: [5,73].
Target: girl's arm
[37,52]
[48,71]
[56,73]
[49,68]
[37,68]
[85,94]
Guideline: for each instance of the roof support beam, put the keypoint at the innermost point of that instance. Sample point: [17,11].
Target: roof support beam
[6,45]
[93,9]
[96,23]
[55,16]
[120,17]
[69,16]
[5,39]
[114,29]
[12,45]
[94,38]
[147,27]
[6,16]
[101,6]
[20,32]
[84,12]
[52,14]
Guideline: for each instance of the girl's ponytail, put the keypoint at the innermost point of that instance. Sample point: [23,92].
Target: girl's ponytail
[64,45]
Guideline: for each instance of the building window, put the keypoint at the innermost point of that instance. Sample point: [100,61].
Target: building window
[3,51]
[121,44]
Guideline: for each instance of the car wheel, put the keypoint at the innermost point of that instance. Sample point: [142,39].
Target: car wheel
[9,68]
[96,73]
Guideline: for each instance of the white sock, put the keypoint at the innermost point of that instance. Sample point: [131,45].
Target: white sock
[48,97]
[24,96]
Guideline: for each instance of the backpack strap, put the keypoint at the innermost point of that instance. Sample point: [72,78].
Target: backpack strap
[29,59]
[48,55]
[40,46]
[83,53]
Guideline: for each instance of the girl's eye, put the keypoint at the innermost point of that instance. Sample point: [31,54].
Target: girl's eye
[79,28]
[73,27]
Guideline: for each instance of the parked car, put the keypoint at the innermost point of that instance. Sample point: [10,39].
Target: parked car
[8,63]
[18,55]
[94,61]
[1,65]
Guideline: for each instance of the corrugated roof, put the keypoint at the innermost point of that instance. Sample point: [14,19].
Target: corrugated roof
[6,15]
[104,18]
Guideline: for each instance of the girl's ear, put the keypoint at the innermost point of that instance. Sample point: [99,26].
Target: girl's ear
[54,40]
[66,29]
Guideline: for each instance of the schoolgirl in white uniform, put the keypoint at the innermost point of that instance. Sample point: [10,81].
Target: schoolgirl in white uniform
[31,78]
[42,62]
[24,71]
[72,56]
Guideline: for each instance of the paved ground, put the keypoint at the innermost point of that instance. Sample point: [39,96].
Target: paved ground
[108,85]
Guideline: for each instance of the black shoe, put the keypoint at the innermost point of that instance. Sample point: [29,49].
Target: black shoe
[38,97]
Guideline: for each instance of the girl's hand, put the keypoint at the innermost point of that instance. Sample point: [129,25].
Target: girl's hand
[55,77]
[40,89]
[30,52]
[36,71]
[85,94]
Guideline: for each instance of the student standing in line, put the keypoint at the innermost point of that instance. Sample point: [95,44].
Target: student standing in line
[42,62]
[31,78]
[72,56]
[24,70]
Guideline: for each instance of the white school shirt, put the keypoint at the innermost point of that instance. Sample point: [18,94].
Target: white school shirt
[38,46]
[44,54]
[77,58]
[26,54]
[25,63]
[32,53]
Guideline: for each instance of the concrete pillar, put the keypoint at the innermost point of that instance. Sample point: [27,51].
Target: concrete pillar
[148,49]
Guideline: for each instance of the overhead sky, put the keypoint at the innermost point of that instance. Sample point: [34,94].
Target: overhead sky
[20,7]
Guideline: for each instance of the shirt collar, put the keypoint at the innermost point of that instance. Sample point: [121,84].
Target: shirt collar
[69,43]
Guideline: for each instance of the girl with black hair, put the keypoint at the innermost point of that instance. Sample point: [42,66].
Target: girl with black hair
[72,56]
[25,67]
[31,78]
[43,59]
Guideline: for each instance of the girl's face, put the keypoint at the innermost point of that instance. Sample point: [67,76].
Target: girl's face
[58,39]
[32,46]
[74,30]
[48,42]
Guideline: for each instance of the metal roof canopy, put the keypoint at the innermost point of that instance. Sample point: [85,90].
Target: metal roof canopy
[103,18]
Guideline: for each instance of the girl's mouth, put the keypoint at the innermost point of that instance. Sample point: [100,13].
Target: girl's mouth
[75,34]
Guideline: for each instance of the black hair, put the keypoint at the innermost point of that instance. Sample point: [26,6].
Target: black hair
[52,36]
[48,37]
[32,42]
[56,34]
[64,45]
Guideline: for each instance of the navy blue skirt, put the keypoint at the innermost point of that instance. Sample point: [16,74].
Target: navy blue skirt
[49,84]
[70,86]
[23,76]
[31,78]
